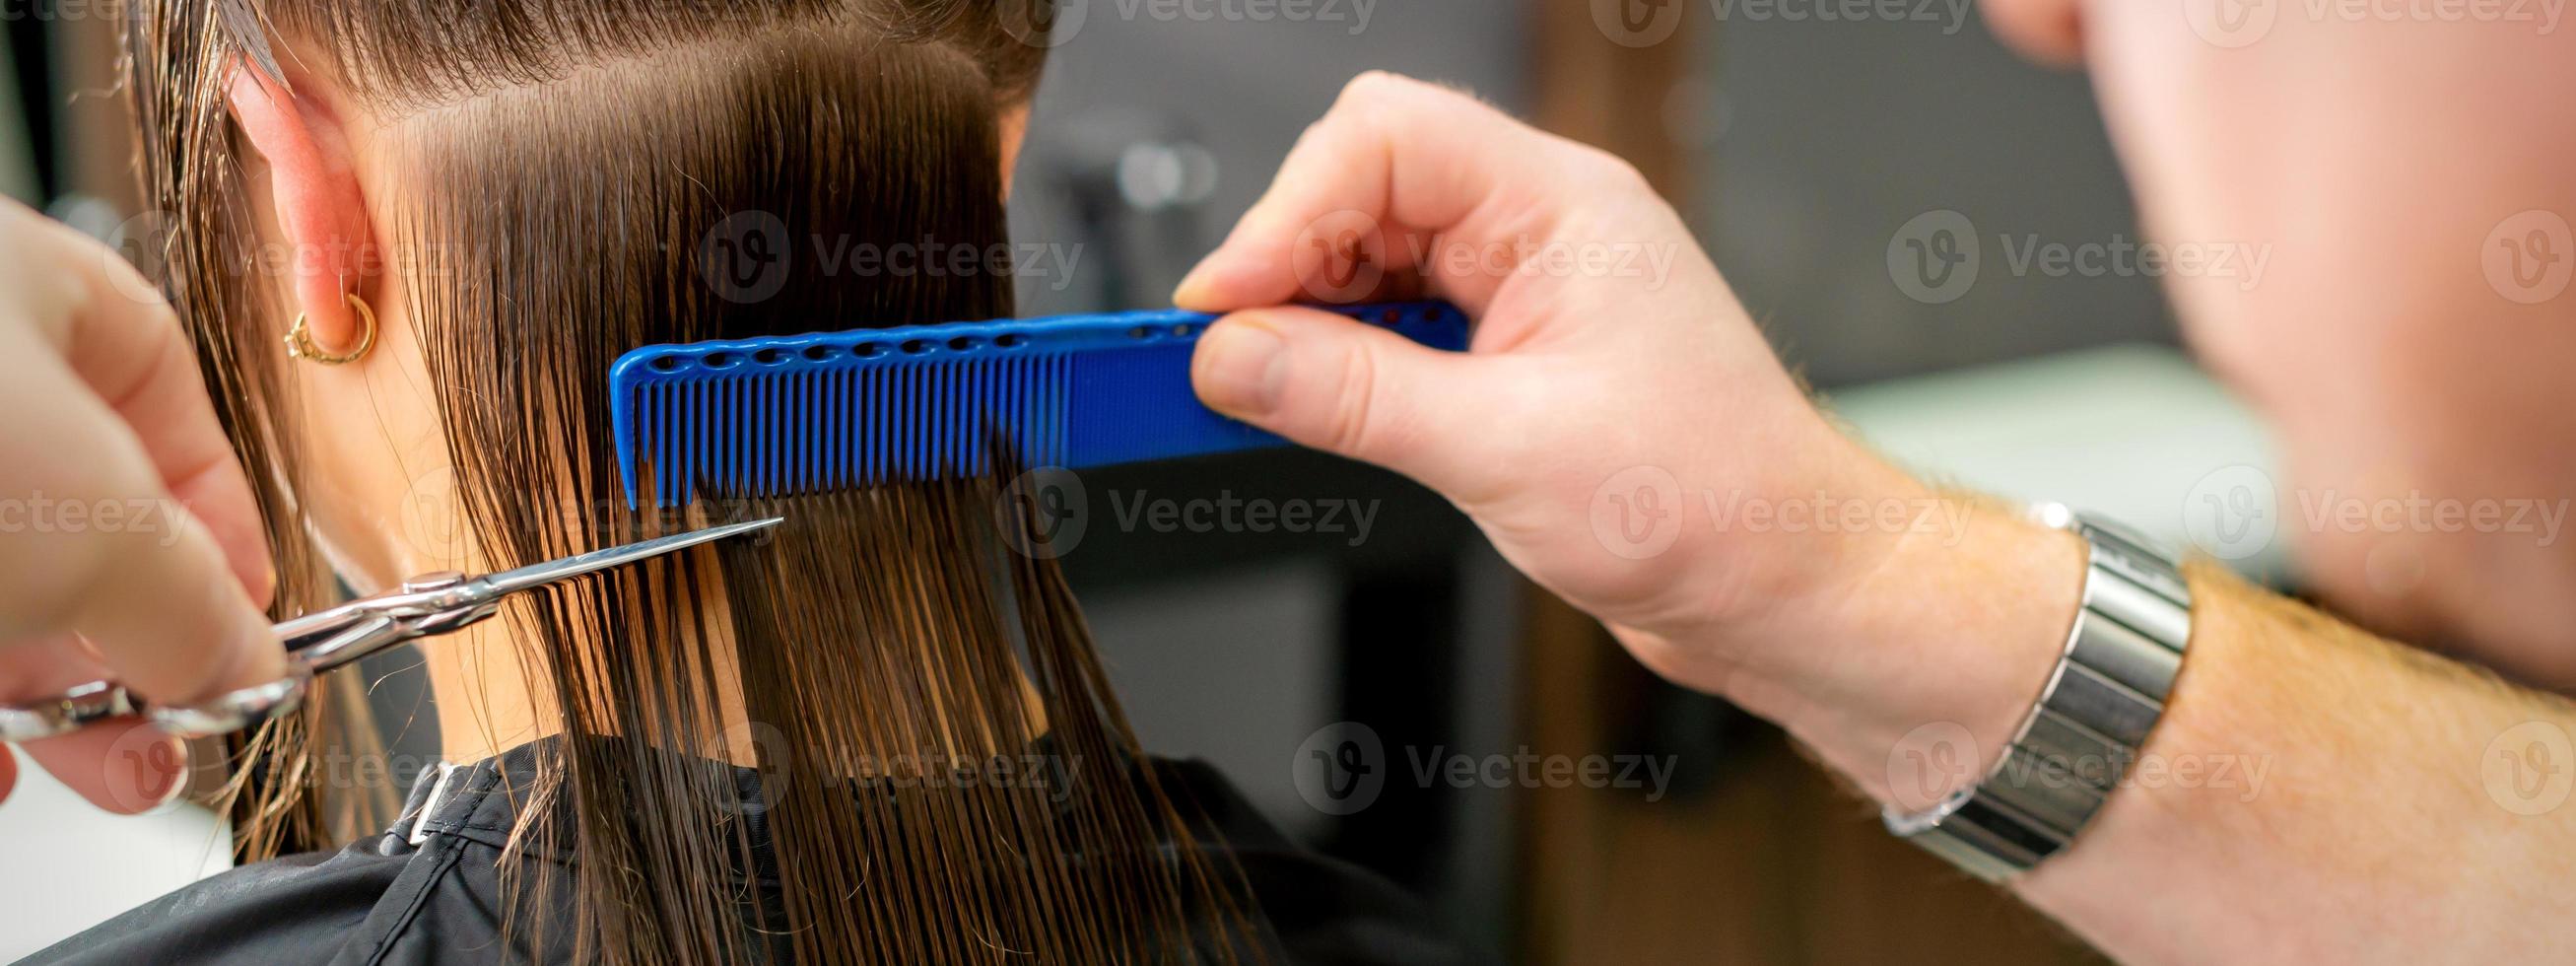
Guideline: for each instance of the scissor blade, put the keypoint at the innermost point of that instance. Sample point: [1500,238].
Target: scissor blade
[553,571]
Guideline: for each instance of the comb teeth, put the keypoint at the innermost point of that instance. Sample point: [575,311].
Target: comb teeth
[787,428]
[843,410]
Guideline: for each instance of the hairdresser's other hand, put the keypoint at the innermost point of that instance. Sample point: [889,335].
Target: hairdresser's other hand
[1619,429]
[1602,397]
[130,545]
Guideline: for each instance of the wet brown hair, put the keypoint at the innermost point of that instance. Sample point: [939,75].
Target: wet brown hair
[886,646]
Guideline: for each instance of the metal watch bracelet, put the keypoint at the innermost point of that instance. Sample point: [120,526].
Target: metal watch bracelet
[2107,691]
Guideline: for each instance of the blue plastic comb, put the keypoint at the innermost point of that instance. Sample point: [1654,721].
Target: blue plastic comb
[833,410]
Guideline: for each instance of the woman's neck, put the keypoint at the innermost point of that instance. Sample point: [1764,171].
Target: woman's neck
[494,691]
[489,692]
[493,685]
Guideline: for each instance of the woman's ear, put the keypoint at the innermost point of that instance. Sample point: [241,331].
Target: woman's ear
[321,211]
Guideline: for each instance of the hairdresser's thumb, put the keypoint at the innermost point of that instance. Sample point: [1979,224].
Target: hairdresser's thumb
[1325,381]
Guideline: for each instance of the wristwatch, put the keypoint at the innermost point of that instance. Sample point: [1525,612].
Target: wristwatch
[2107,691]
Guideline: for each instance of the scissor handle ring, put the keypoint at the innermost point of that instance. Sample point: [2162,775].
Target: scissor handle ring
[236,710]
[74,709]
[100,701]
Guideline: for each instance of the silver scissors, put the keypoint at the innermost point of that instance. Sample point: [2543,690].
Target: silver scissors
[425,606]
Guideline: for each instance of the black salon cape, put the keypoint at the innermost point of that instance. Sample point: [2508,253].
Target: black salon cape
[383,901]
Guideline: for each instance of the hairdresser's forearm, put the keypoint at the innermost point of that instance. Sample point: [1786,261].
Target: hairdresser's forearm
[2311,794]
[2380,831]
[1938,631]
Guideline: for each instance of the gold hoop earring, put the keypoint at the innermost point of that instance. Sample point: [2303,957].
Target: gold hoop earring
[299,340]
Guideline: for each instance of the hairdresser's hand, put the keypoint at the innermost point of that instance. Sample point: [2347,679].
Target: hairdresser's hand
[1620,429]
[130,546]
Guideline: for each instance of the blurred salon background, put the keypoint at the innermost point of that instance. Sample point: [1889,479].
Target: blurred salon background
[1867,185]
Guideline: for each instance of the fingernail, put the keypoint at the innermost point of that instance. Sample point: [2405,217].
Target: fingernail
[1193,290]
[255,656]
[1242,368]
[177,777]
